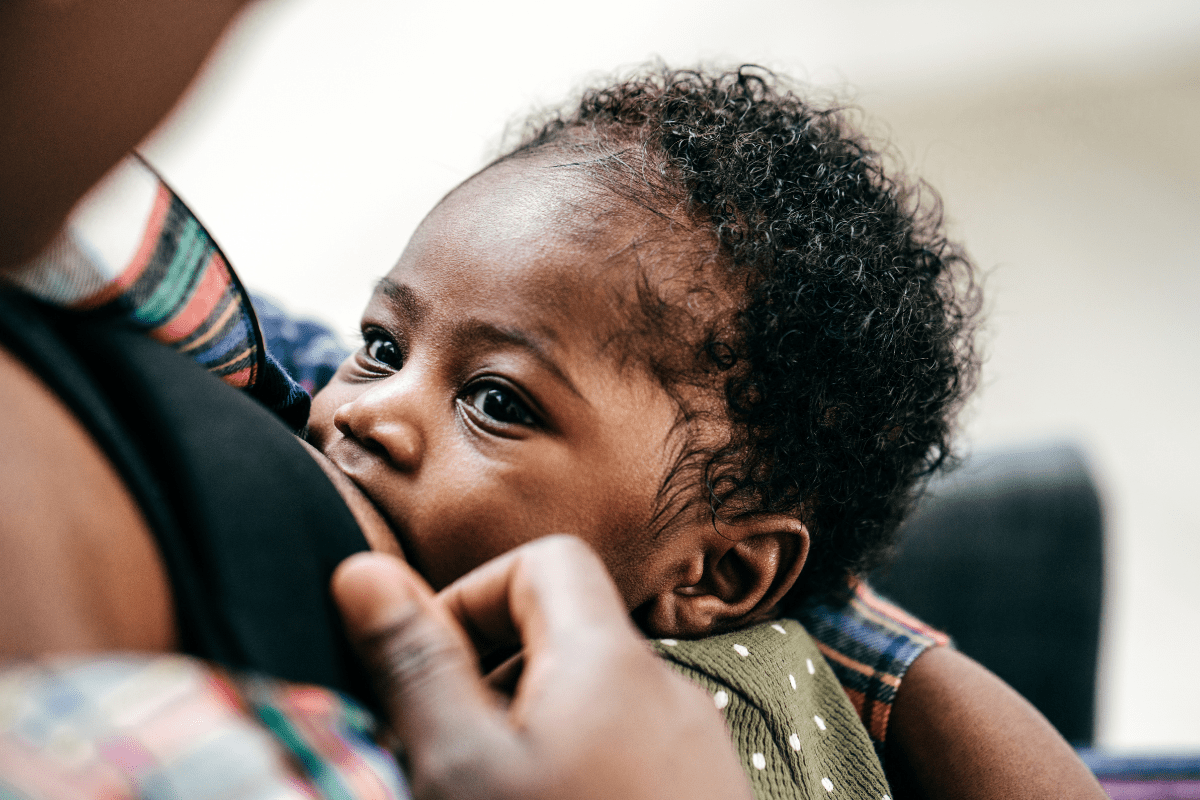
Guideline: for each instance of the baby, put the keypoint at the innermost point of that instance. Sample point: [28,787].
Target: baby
[694,323]
[691,321]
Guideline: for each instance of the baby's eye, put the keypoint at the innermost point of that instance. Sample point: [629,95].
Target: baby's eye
[500,404]
[380,348]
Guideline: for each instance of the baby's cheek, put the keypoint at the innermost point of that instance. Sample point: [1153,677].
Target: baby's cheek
[445,543]
[320,417]
[452,539]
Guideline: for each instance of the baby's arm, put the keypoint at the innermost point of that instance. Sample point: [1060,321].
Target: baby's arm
[944,726]
[960,732]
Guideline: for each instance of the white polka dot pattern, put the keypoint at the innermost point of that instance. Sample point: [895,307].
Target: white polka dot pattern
[760,655]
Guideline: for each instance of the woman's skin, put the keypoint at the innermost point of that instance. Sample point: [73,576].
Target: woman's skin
[79,570]
[81,83]
[594,714]
[379,535]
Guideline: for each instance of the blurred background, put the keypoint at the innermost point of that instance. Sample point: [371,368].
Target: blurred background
[1064,136]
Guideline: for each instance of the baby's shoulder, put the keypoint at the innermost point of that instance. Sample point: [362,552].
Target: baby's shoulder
[790,721]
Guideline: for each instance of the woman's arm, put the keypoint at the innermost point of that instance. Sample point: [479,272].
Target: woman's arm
[81,83]
[963,733]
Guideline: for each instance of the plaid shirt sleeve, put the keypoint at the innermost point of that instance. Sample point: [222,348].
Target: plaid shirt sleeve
[173,728]
[870,643]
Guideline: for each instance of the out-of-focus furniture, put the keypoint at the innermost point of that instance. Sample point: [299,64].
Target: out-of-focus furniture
[1006,554]
[1146,777]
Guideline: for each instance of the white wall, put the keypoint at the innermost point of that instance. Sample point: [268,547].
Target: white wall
[1063,134]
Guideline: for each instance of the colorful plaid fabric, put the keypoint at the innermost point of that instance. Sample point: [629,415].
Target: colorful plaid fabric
[173,728]
[180,288]
[870,644]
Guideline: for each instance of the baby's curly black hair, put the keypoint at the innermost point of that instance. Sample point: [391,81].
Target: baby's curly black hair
[852,346]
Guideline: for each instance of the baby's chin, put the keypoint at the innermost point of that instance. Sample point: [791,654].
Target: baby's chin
[375,527]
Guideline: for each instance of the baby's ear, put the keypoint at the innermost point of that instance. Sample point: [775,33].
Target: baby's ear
[745,568]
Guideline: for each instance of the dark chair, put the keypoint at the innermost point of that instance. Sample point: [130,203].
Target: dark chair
[1006,554]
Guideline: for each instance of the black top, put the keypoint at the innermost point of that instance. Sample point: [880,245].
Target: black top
[247,524]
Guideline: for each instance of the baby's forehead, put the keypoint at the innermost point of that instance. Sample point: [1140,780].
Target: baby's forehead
[542,243]
[540,221]
[544,199]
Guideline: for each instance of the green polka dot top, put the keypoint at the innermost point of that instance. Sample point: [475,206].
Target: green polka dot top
[793,727]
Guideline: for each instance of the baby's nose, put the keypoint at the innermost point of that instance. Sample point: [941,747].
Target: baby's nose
[381,419]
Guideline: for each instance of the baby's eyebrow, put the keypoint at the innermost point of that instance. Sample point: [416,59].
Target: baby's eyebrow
[402,298]
[476,331]
[405,301]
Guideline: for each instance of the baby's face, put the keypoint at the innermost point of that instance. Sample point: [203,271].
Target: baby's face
[483,410]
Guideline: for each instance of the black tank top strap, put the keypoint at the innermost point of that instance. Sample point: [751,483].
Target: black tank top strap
[249,527]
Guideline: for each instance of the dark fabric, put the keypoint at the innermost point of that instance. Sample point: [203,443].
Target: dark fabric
[307,351]
[248,526]
[276,390]
[1007,556]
